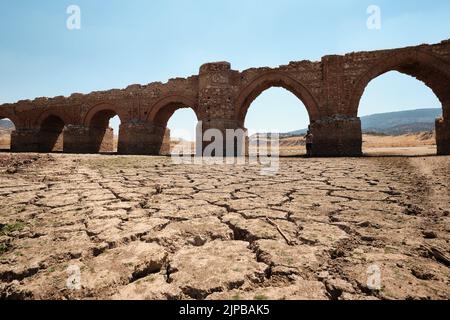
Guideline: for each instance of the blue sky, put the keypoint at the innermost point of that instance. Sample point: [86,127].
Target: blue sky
[139,41]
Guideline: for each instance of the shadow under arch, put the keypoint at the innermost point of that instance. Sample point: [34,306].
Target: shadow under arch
[269,80]
[100,107]
[51,133]
[164,109]
[101,136]
[160,115]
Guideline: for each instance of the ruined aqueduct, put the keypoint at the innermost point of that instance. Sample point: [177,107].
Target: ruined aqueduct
[330,89]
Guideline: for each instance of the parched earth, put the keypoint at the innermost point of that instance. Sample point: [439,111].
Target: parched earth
[102,227]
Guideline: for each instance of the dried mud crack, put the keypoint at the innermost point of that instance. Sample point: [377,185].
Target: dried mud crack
[144,228]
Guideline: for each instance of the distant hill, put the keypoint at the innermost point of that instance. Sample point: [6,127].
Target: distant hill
[403,122]
[6,125]
[396,123]
[297,132]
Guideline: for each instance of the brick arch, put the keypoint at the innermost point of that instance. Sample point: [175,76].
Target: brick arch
[45,115]
[274,79]
[103,107]
[162,110]
[12,117]
[100,135]
[432,71]
[51,131]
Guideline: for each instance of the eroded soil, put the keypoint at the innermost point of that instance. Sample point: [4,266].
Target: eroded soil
[145,228]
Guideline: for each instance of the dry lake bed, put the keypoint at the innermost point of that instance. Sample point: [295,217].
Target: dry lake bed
[102,227]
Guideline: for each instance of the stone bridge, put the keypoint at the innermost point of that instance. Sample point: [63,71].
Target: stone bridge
[220,97]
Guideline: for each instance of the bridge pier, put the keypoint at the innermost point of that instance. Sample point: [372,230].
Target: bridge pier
[443,136]
[216,104]
[51,141]
[77,139]
[25,140]
[83,139]
[233,136]
[36,140]
[143,138]
[337,136]
[103,139]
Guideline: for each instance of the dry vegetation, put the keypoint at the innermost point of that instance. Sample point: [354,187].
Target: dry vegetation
[5,140]
[292,146]
[409,144]
[408,140]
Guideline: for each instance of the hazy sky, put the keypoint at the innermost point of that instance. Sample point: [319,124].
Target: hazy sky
[139,41]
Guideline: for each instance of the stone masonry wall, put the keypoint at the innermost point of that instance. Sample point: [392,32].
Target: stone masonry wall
[220,97]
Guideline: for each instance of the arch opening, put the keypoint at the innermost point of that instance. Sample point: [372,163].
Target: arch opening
[176,124]
[277,110]
[104,131]
[7,126]
[115,123]
[181,130]
[51,134]
[426,68]
[398,113]
[267,81]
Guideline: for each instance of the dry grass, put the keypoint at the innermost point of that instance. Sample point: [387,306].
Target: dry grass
[5,141]
[292,146]
[409,140]
[296,145]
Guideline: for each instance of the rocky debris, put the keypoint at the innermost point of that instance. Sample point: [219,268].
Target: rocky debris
[285,259]
[337,287]
[130,231]
[396,281]
[123,265]
[249,230]
[428,234]
[153,287]
[10,274]
[423,274]
[15,162]
[255,229]
[216,267]
[322,234]
[195,232]
[13,291]
[437,253]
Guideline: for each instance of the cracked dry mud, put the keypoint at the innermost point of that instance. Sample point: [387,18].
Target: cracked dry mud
[145,228]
